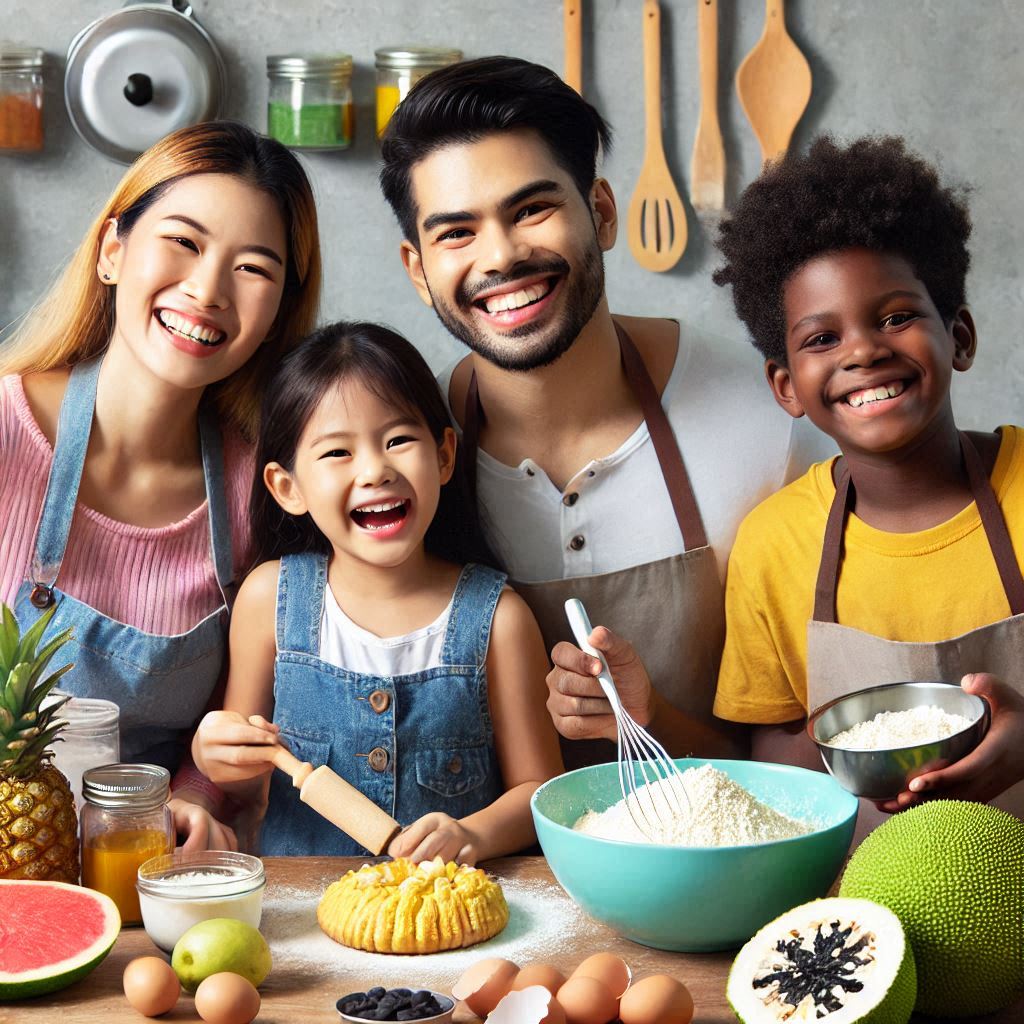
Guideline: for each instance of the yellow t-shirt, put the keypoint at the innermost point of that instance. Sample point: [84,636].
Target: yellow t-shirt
[915,587]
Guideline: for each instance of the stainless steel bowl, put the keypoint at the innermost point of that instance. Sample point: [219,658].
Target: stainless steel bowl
[881,774]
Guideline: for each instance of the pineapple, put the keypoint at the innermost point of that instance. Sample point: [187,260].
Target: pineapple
[38,825]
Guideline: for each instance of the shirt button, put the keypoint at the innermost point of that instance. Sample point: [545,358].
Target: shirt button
[378,759]
[577,542]
[570,499]
[455,765]
[380,701]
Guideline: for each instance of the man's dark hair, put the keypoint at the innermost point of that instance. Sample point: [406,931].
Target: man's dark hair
[872,194]
[467,101]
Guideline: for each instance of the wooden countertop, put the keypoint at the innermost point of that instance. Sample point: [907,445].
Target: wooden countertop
[311,974]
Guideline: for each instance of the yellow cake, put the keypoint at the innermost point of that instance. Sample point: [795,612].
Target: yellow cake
[402,907]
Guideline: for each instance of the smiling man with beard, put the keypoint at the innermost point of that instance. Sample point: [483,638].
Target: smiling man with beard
[613,456]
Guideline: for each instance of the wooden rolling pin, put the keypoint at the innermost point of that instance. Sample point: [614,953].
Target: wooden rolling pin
[340,803]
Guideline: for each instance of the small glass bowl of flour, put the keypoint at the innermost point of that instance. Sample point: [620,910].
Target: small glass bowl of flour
[875,741]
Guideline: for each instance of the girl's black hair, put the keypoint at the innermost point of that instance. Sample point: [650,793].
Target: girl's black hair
[392,369]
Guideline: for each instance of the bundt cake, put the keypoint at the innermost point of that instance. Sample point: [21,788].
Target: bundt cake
[403,907]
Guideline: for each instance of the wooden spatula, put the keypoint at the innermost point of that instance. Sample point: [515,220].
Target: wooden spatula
[573,16]
[707,168]
[656,222]
[774,84]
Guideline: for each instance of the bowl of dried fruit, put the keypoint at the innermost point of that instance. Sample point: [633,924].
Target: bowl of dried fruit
[396,1004]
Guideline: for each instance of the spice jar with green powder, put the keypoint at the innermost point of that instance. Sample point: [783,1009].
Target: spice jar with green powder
[310,100]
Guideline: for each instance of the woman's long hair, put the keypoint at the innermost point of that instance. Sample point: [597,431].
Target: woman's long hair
[392,369]
[74,319]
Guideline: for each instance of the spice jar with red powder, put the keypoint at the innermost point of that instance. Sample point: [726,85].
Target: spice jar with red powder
[21,98]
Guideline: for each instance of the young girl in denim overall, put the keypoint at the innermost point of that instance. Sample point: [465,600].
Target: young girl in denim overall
[371,639]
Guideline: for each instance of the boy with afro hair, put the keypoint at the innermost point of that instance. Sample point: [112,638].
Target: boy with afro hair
[901,558]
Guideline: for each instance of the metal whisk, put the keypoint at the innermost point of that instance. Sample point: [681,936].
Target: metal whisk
[662,796]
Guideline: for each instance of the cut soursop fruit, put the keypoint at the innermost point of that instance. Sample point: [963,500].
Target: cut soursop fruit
[841,961]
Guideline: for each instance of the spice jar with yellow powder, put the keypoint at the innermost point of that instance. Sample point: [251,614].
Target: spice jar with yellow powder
[125,822]
[399,68]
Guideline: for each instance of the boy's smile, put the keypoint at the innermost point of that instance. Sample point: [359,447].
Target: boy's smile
[869,358]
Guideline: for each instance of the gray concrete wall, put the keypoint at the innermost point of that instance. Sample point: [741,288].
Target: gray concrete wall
[946,74]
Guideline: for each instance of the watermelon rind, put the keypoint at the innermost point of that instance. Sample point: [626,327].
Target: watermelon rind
[60,974]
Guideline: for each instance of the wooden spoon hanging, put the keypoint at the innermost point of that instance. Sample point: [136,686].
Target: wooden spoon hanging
[573,22]
[774,84]
[707,168]
[656,221]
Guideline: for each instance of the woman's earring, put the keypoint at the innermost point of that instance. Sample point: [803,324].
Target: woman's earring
[106,277]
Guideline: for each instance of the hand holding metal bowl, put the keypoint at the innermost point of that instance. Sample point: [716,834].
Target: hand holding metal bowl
[882,774]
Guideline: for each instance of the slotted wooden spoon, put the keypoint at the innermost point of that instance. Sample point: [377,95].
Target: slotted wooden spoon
[656,221]
[774,84]
[573,21]
[707,167]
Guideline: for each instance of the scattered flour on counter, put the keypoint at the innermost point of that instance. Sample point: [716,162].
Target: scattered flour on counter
[543,922]
[721,813]
[889,730]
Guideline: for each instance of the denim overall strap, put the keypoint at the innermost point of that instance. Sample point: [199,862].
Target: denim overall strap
[216,501]
[73,429]
[298,620]
[469,624]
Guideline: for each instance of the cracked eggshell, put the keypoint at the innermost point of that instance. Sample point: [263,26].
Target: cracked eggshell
[607,968]
[483,985]
[659,999]
[587,1001]
[531,1005]
[539,974]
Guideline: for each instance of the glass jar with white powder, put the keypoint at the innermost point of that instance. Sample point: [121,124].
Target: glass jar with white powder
[178,890]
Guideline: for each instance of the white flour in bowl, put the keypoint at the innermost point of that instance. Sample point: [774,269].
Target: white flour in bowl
[890,730]
[720,813]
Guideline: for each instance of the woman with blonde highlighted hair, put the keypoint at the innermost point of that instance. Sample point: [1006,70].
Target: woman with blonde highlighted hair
[128,405]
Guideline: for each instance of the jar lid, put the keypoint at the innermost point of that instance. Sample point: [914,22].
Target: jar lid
[20,58]
[201,874]
[401,58]
[310,65]
[137,787]
[137,74]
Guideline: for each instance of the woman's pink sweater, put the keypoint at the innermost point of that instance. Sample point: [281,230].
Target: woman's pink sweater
[159,580]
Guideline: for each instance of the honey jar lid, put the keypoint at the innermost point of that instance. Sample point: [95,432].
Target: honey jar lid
[20,58]
[403,58]
[136,787]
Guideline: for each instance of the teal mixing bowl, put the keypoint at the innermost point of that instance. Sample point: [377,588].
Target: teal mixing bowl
[695,899]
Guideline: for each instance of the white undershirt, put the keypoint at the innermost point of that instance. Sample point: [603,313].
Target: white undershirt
[348,646]
[738,446]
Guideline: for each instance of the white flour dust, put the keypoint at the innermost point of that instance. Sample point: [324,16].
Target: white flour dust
[543,922]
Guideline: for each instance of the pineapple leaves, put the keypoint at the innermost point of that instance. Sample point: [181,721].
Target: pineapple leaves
[8,639]
[26,648]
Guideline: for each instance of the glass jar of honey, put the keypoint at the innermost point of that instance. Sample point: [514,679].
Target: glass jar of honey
[309,105]
[125,822]
[21,98]
[399,68]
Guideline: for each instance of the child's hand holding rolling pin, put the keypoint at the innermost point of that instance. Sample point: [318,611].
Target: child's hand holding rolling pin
[230,748]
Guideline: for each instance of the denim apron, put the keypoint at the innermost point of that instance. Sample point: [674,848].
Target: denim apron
[412,743]
[160,683]
[671,610]
[841,659]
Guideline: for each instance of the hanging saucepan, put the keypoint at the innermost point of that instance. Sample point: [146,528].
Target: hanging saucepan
[137,74]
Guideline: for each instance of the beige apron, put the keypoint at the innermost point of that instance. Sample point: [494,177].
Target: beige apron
[841,659]
[671,610]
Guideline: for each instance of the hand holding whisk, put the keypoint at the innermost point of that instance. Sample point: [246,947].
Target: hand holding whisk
[662,795]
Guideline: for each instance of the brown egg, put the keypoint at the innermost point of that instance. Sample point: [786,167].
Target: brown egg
[484,984]
[531,1005]
[539,974]
[607,968]
[658,999]
[227,998]
[587,1001]
[151,985]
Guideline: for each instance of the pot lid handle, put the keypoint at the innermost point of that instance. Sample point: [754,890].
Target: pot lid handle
[138,90]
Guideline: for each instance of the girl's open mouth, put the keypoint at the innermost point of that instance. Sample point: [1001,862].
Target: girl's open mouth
[182,327]
[870,397]
[381,516]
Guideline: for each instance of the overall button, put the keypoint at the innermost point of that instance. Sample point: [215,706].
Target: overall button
[577,542]
[378,759]
[455,765]
[380,701]
[570,499]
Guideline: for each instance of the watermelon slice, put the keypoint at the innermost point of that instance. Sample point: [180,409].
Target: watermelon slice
[51,934]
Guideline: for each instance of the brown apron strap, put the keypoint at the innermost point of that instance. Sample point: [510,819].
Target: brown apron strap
[991,520]
[995,526]
[670,458]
